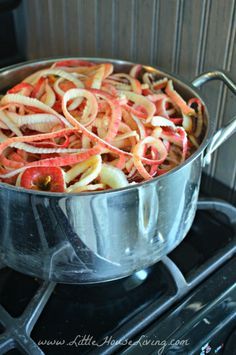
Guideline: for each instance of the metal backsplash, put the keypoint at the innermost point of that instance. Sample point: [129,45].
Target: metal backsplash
[183,36]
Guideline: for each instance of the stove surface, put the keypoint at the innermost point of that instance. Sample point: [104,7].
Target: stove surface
[43,318]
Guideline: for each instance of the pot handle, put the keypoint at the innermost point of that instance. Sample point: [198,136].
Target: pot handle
[224,132]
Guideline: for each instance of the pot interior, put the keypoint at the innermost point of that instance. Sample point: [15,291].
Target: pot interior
[12,75]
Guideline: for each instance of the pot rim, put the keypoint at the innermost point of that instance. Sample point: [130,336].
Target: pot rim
[176,79]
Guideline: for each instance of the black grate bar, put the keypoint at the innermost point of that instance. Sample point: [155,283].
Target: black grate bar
[36,306]
[6,319]
[6,343]
[179,279]
[17,330]
[28,346]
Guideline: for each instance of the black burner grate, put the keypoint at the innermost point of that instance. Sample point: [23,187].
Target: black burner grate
[29,312]
[17,330]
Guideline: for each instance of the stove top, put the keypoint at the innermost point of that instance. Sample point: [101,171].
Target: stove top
[185,304]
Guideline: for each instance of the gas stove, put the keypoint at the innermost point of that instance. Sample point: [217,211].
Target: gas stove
[185,304]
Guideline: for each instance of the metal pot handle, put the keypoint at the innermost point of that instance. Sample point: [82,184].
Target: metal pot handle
[224,132]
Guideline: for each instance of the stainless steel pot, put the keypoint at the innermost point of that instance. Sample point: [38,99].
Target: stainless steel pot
[102,236]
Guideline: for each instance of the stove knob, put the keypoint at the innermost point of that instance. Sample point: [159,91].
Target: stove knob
[230,344]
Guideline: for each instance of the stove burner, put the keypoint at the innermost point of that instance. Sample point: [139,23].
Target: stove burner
[109,290]
[121,308]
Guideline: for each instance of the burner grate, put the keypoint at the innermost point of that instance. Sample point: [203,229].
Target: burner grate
[15,333]
[17,330]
